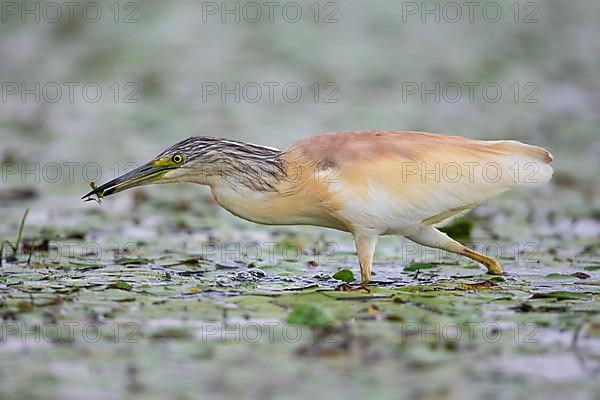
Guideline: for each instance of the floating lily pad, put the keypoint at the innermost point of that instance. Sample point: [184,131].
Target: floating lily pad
[561,295]
[418,266]
[344,275]
[592,268]
[134,261]
[557,276]
[120,285]
[478,285]
[309,315]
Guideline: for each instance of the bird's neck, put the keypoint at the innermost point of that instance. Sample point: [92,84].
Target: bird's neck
[277,189]
[246,167]
[248,184]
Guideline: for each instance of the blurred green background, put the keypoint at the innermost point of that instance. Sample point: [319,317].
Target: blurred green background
[91,88]
[357,64]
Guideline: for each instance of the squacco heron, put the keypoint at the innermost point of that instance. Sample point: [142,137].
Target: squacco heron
[367,183]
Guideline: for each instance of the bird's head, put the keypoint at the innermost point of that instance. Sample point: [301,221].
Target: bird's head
[199,160]
[185,161]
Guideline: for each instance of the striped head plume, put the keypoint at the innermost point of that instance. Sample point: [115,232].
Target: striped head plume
[204,159]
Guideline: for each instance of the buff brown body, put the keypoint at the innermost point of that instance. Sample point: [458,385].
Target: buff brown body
[368,183]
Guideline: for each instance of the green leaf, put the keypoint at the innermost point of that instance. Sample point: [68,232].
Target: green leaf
[459,230]
[120,285]
[20,234]
[135,261]
[418,266]
[592,268]
[309,315]
[344,275]
[558,276]
[561,295]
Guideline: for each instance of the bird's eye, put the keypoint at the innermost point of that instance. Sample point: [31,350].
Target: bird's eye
[177,158]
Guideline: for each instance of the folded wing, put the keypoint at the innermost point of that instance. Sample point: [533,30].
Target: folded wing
[395,180]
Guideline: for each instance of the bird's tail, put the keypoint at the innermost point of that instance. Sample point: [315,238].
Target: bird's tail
[527,164]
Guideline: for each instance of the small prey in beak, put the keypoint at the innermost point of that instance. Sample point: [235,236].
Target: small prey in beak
[144,175]
[99,195]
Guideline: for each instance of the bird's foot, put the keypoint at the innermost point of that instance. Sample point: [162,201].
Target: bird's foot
[494,267]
